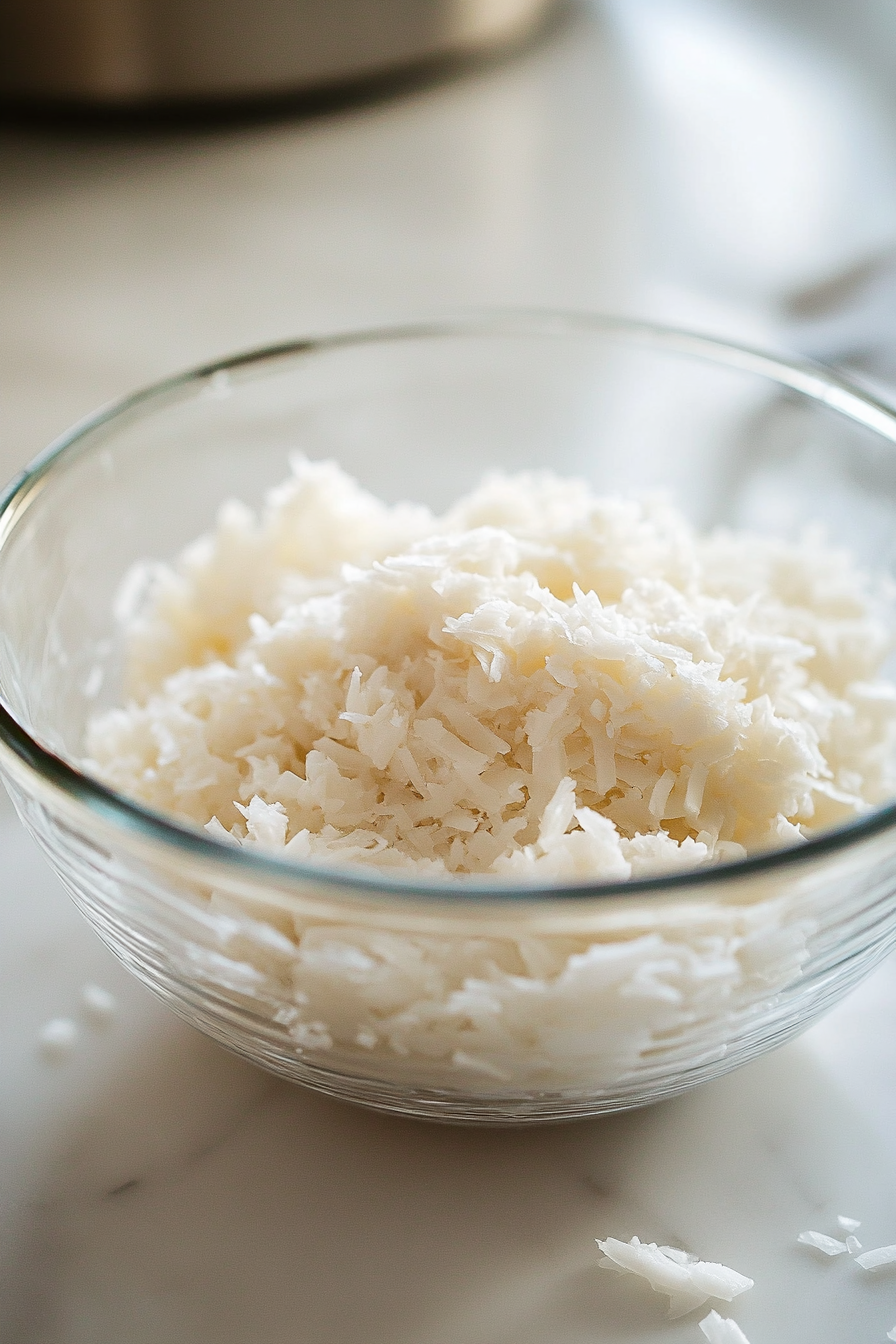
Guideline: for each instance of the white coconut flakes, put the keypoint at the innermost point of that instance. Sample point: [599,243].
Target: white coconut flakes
[820,1242]
[688,1281]
[722,1330]
[541,684]
[877,1259]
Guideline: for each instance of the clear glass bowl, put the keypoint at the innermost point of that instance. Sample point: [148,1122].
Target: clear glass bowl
[481,1003]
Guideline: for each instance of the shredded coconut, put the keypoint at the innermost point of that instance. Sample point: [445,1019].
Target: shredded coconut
[848,1224]
[853,1245]
[820,1242]
[891,1334]
[58,1038]
[541,684]
[721,1330]
[689,1282]
[884,1255]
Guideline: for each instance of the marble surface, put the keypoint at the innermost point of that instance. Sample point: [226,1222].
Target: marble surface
[154,1190]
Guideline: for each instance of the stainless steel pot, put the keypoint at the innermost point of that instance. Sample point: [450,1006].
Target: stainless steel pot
[125,52]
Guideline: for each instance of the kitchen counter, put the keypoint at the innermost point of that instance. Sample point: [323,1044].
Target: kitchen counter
[155,1190]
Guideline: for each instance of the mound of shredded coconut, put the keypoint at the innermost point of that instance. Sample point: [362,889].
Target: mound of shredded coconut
[541,684]
[688,1281]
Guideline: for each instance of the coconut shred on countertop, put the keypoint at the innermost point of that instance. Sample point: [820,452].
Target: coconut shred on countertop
[542,683]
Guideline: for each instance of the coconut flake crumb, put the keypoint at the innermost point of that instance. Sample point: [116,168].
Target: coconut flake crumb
[99,1005]
[891,1334]
[853,1245]
[57,1039]
[820,1242]
[543,683]
[689,1282]
[848,1224]
[722,1330]
[884,1255]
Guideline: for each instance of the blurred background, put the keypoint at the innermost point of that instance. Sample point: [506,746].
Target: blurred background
[181,180]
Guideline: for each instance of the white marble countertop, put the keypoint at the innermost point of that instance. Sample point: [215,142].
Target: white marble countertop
[154,1190]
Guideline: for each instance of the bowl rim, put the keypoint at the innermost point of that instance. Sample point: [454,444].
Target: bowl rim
[813,380]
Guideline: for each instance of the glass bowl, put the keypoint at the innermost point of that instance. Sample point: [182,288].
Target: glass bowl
[481,1002]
